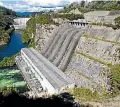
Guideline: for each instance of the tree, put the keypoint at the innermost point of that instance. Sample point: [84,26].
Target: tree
[82,3]
[117,22]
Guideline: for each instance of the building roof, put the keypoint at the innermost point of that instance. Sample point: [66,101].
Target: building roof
[80,21]
[55,76]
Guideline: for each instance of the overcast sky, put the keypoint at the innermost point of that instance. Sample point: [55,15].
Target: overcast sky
[35,5]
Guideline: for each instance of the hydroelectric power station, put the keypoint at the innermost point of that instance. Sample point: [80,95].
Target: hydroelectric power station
[44,72]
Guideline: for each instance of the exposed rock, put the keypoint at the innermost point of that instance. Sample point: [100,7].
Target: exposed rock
[105,33]
[43,34]
[105,51]
[87,73]
[102,16]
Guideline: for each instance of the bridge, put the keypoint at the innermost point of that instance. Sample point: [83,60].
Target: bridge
[20,23]
[44,72]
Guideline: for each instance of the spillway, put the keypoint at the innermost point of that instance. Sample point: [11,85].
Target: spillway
[20,23]
[61,45]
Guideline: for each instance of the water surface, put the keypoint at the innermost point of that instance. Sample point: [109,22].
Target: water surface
[13,47]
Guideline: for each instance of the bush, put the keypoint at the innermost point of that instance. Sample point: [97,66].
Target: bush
[7,91]
[115,79]
[8,61]
[117,22]
[85,94]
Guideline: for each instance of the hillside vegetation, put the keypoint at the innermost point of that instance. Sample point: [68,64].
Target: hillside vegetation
[93,5]
[6,19]
[69,16]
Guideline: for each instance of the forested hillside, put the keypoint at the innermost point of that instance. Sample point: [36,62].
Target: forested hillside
[93,5]
[6,19]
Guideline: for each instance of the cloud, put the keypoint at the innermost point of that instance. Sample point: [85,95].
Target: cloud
[1,4]
[43,2]
[35,5]
[48,2]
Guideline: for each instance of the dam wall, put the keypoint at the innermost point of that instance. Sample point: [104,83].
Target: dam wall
[20,23]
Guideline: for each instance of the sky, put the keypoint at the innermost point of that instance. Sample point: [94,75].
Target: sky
[35,5]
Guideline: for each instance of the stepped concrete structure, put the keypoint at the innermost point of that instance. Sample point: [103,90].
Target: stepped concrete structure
[40,74]
[44,72]
[20,23]
[62,45]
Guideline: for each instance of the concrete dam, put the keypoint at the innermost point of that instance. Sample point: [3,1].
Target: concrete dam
[62,45]
[20,23]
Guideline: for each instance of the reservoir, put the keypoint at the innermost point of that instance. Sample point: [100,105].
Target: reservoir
[14,46]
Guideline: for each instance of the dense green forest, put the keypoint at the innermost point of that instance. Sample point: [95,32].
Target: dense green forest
[93,5]
[6,19]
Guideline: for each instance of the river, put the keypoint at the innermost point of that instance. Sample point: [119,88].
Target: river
[13,47]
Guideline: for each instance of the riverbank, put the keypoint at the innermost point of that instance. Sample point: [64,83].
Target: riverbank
[13,47]
[6,36]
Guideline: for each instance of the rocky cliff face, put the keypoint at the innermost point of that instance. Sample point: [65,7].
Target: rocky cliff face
[43,34]
[97,47]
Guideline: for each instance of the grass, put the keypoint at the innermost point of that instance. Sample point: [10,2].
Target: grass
[104,24]
[85,94]
[115,79]
[101,39]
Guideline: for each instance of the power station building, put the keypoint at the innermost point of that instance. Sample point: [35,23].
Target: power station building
[35,67]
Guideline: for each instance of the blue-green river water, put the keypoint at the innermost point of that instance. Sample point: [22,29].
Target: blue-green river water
[13,47]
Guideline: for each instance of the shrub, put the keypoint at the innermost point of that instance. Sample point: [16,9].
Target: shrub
[85,94]
[115,79]
[117,22]
[8,61]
